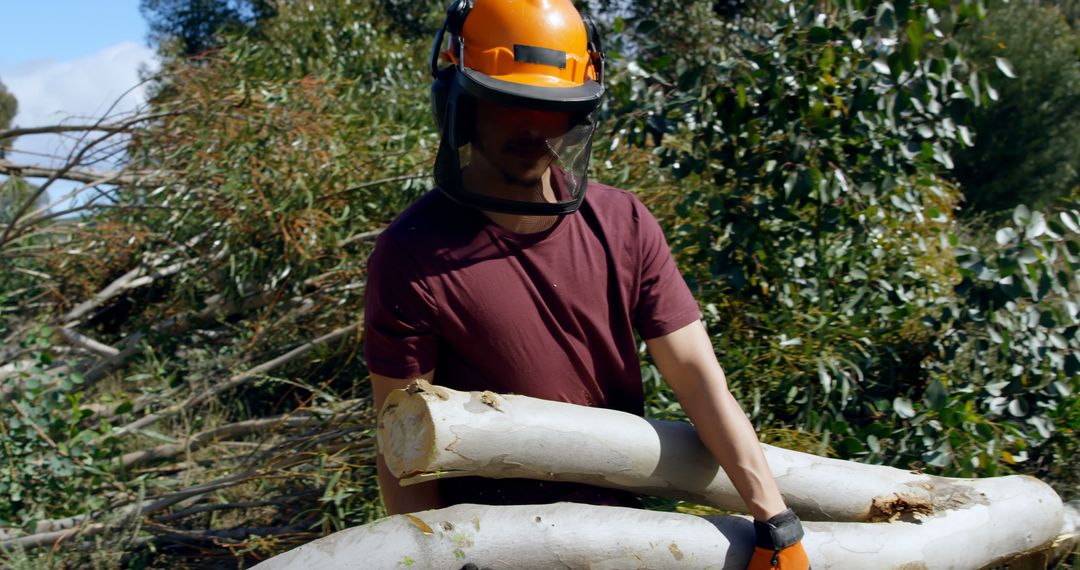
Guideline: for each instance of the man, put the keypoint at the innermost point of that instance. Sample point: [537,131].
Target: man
[519,276]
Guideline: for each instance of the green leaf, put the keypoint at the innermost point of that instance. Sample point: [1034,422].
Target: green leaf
[1005,67]
[903,407]
[1005,236]
[646,27]
[818,35]
[936,395]
[915,33]
[1070,222]
[824,377]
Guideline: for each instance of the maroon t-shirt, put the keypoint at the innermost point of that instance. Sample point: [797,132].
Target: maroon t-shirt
[550,315]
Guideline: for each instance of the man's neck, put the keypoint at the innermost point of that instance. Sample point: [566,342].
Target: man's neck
[519,224]
[491,184]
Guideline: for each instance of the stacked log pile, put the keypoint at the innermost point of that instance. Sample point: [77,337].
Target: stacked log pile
[857,516]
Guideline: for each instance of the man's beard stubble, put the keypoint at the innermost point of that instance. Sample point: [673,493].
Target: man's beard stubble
[533,183]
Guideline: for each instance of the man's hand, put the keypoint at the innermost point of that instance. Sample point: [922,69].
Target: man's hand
[778,544]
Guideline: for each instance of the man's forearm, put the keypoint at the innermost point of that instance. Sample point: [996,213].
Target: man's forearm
[686,359]
[411,499]
[727,433]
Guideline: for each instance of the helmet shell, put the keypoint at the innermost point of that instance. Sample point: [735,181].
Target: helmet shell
[542,43]
[527,53]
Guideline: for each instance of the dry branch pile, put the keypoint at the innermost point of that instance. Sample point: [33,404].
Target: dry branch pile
[179,334]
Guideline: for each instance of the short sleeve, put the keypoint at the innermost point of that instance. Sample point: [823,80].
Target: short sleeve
[665,303]
[399,314]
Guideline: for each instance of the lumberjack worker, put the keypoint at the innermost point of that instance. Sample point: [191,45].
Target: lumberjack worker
[520,276]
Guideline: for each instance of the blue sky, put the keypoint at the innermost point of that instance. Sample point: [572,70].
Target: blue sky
[71,58]
[66,29]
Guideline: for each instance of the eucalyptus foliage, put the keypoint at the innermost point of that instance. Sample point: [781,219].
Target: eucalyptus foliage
[1028,146]
[815,216]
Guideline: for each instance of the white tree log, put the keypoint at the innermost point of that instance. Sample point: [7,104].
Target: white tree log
[428,431]
[566,535]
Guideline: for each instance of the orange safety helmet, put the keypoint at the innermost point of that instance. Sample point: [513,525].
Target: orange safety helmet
[535,54]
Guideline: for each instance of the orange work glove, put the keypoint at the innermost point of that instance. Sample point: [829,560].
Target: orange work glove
[778,546]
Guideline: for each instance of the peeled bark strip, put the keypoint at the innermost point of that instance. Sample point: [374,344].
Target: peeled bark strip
[429,431]
[566,535]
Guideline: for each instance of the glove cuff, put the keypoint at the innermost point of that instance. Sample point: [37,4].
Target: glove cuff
[779,532]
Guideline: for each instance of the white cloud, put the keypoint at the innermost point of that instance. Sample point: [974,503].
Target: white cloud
[74,91]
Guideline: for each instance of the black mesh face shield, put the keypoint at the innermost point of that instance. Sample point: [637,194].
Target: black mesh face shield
[539,175]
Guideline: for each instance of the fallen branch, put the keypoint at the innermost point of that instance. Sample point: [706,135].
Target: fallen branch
[229,431]
[133,279]
[37,429]
[85,342]
[362,236]
[352,415]
[85,525]
[237,380]
[96,127]
[44,527]
[215,309]
[191,511]
[218,536]
[84,528]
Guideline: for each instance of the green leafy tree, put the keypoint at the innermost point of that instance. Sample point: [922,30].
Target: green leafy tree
[1027,141]
[13,190]
[809,195]
[192,27]
[8,108]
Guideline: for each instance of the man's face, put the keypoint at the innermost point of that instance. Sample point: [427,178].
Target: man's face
[517,142]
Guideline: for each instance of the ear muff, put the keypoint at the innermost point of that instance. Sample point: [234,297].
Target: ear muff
[455,15]
[446,101]
[440,93]
[454,110]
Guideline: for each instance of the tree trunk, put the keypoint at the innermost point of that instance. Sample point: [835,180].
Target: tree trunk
[567,535]
[429,431]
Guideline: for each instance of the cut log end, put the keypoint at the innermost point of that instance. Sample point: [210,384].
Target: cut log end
[405,414]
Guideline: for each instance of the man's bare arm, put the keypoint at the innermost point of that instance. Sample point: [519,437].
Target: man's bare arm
[398,499]
[685,358]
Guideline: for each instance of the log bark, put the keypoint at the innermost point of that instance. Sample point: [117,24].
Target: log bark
[563,535]
[427,432]
[566,535]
